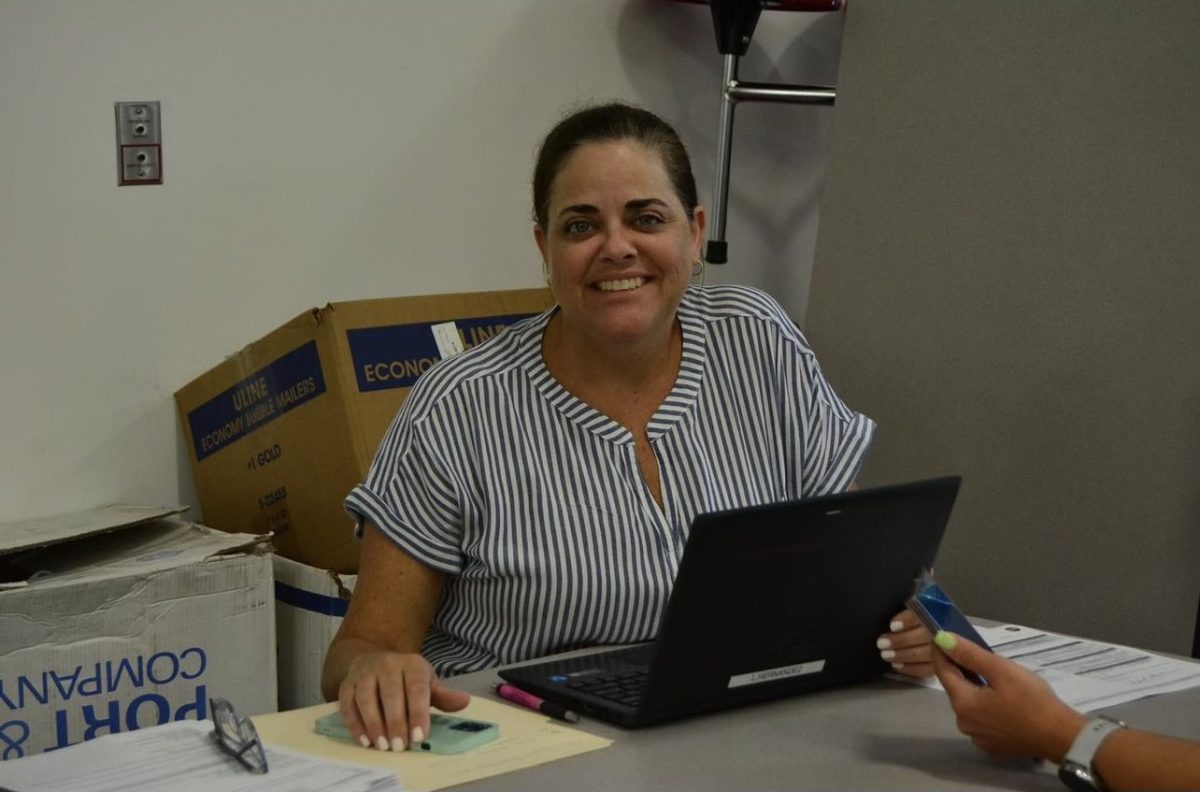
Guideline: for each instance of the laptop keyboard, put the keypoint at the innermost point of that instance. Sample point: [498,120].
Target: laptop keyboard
[624,687]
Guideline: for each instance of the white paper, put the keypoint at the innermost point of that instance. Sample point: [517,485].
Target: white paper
[181,757]
[1088,675]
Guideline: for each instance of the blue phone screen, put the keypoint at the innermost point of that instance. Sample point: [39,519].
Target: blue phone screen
[937,611]
[945,614]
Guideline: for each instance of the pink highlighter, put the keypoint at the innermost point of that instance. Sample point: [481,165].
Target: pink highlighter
[530,701]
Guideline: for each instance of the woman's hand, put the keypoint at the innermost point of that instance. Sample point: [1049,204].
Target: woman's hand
[1016,714]
[908,647]
[385,699]
[373,667]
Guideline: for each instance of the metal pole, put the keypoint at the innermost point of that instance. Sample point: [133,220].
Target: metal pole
[716,251]
[790,94]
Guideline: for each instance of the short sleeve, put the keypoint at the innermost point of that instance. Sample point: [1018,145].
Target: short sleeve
[836,439]
[411,495]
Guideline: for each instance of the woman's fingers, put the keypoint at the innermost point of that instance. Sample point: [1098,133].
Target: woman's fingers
[907,646]
[362,712]
[350,713]
[448,699]
[385,699]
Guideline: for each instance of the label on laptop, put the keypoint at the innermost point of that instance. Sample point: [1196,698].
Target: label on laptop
[775,674]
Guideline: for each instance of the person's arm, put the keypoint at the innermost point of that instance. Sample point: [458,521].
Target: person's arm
[1017,714]
[1133,759]
[374,667]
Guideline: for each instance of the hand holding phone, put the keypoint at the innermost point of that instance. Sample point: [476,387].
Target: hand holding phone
[447,733]
[936,611]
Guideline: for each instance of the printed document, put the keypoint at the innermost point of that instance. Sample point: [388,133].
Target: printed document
[182,757]
[1088,675]
[1091,675]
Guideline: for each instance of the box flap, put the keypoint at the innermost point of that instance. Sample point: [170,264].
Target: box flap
[142,550]
[28,534]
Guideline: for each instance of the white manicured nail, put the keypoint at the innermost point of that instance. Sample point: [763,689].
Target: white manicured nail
[883,643]
[381,743]
[364,741]
[897,626]
[397,745]
[417,736]
[887,654]
[897,666]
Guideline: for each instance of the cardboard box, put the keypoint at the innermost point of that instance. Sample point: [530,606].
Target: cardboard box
[279,433]
[309,606]
[124,617]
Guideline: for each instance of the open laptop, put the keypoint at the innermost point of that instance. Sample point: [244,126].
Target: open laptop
[769,601]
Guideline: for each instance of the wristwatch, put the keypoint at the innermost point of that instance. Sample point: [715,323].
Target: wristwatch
[1076,768]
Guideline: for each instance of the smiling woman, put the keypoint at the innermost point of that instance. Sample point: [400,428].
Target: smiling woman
[535,492]
[618,246]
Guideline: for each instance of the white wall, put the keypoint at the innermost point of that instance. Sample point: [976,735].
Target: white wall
[317,151]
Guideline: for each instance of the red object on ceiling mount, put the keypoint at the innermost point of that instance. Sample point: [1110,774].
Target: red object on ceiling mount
[787,5]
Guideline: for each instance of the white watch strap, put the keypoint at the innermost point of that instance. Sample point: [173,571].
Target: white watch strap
[1088,741]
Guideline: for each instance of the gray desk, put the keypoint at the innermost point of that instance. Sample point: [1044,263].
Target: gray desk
[879,735]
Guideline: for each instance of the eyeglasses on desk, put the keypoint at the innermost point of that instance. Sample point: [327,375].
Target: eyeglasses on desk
[237,736]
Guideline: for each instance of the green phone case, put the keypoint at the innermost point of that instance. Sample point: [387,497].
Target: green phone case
[447,734]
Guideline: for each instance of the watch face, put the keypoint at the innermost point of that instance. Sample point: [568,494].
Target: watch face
[1077,777]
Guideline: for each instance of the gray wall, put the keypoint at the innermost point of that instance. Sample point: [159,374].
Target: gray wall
[1007,278]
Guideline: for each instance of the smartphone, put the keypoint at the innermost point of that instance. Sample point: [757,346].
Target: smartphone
[936,611]
[447,734]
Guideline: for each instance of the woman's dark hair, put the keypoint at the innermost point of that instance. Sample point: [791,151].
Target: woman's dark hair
[615,121]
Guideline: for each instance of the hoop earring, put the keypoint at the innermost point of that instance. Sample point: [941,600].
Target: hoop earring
[698,268]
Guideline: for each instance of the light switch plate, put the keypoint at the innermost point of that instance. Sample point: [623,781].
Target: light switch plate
[139,143]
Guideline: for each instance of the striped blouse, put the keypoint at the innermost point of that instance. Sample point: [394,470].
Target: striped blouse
[533,504]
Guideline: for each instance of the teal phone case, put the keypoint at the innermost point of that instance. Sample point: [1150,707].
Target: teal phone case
[447,734]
